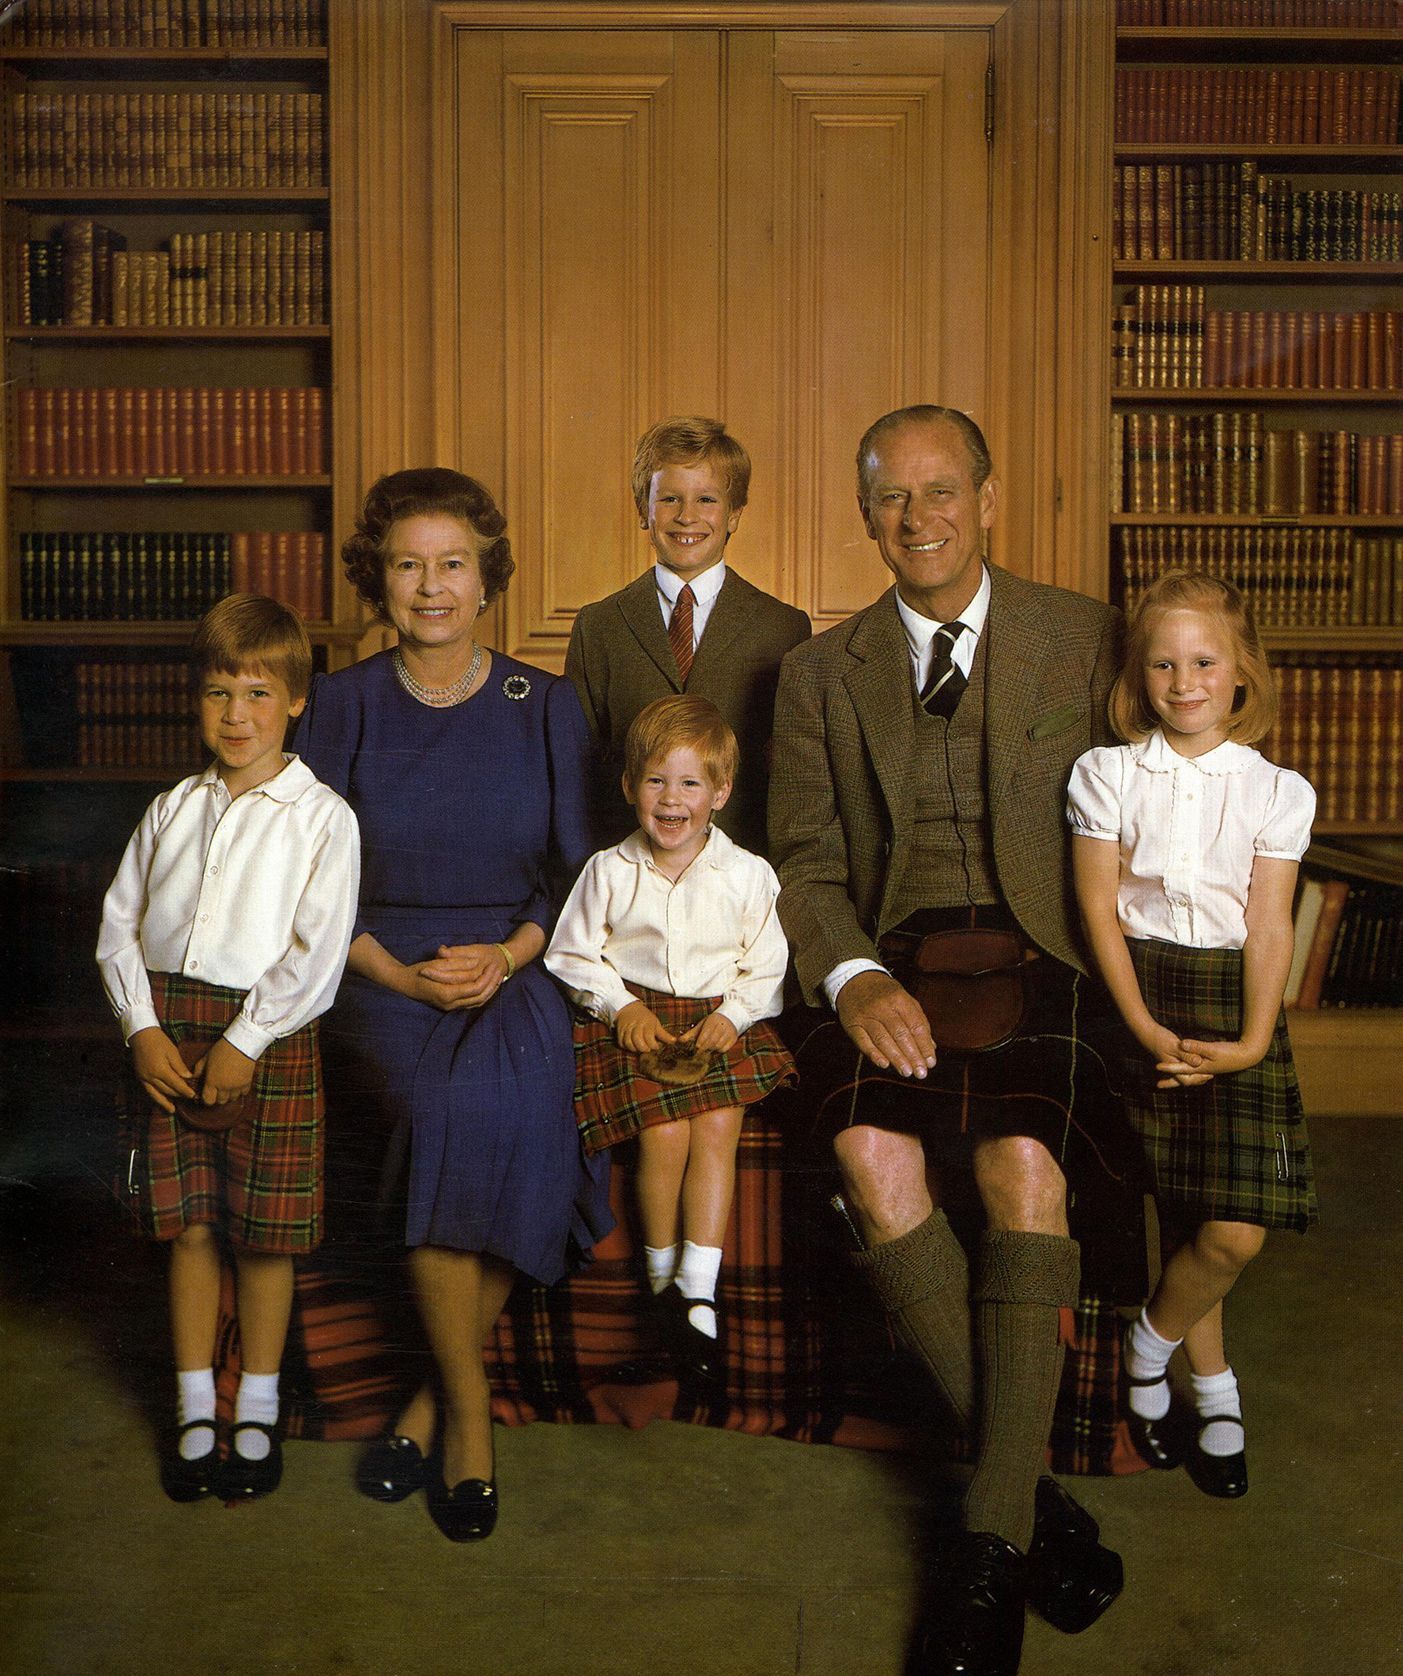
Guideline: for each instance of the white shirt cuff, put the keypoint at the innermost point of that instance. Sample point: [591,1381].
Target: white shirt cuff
[141,1017]
[252,1041]
[842,972]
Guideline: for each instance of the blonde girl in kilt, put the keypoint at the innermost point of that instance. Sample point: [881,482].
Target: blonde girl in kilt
[672,937]
[1186,844]
[227,926]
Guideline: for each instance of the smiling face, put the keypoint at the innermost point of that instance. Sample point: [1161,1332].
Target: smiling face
[1191,679]
[433,587]
[927,517]
[243,722]
[674,802]
[689,517]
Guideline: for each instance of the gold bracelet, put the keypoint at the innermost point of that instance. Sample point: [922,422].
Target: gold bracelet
[506,955]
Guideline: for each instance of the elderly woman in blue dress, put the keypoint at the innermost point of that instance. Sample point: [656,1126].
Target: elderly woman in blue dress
[449,1045]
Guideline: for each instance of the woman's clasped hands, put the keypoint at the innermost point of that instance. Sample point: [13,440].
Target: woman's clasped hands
[460,976]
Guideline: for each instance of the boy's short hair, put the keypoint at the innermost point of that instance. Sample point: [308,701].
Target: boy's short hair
[681,721]
[687,442]
[245,633]
[1132,715]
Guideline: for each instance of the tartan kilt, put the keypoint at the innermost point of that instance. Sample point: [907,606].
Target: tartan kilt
[614,1100]
[260,1182]
[1234,1149]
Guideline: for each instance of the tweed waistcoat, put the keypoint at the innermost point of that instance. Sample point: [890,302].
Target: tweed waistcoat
[950,862]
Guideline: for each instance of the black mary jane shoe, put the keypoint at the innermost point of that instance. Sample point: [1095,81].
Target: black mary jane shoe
[974,1626]
[467,1512]
[391,1469]
[184,1480]
[698,1358]
[1224,1476]
[1163,1443]
[240,1479]
[1072,1576]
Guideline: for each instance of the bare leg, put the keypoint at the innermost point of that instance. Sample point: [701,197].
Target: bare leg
[662,1164]
[458,1291]
[884,1181]
[709,1185]
[1194,1282]
[265,1307]
[194,1282]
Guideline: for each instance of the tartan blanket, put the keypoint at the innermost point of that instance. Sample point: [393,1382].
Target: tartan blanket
[809,1355]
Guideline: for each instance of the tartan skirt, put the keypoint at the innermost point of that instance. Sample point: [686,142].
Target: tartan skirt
[614,1100]
[259,1182]
[1234,1149]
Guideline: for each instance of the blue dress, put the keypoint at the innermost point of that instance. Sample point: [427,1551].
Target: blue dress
[472,822]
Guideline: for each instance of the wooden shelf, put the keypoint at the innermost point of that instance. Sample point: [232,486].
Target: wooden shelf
[97,776]
[161,197]
[92,60]
[1265,520]
[1256,45]
[167,334]
[105,485]
[1335,637]
[1323,158]
[1248,273]
[114,633]
[1274,397]
[1349,1061]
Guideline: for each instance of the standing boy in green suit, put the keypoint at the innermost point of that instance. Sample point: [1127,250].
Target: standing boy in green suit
[689,624]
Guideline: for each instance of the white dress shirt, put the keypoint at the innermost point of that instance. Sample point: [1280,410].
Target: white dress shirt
[712,932]
[704,591]
[256,893]
[920,632]
[1189,829]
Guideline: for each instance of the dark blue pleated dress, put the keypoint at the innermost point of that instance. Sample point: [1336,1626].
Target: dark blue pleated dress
[471,818]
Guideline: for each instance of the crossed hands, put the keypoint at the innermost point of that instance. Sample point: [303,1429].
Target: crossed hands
[1185,1063]
[227,1074]
[638,1029]
[460,977]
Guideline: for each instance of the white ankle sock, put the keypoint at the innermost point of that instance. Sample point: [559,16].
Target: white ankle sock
[257,1400]
[195,1401]
[696,1277]
[1147,1357]
[661,1264]
[1217,1400]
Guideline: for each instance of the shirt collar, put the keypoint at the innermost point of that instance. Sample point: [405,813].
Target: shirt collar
[719,852]
[704,587]
[1157,755]
[921,630]
[286,786]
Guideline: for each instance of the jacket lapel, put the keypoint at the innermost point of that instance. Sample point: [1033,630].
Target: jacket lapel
[1018,646]
[879,684]
[727,619]
[638,606]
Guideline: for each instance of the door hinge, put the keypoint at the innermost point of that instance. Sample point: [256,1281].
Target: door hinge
[989,104]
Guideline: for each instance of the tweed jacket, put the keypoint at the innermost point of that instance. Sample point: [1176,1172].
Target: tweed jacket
[842,793]
[620,660]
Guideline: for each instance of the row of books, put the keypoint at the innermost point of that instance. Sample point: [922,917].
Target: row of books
[170,141]
[135,714]
[1230,212]
[1294,578]
[120,434]
[169,23]
[1340,723]
[1349,945]
[1166,338]
[236,277]
[156,576]
[1256,105]
[1230,462]
[1259,14]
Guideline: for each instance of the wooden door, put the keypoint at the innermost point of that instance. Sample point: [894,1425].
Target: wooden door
[786,229]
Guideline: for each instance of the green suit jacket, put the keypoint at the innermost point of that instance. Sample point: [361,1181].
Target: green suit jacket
[620,660]
[842,794]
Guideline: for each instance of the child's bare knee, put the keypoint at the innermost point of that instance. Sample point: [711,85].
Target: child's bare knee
[199,1236]
[1230,1245]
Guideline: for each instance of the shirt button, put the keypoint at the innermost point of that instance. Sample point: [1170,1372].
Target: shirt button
[204,919]
[213,870]
[194,966]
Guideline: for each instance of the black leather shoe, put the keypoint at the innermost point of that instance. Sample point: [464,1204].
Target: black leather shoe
[184,1480]
[1163,1443]
[239,1479]
[1072,1576]
[974,1626]
[698,1358]
[391,1469]
[467,1512]
[1217,1475]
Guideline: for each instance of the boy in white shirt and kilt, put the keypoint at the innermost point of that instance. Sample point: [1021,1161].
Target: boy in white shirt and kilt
[223,938]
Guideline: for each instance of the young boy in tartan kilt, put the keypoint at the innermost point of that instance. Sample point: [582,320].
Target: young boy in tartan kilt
[223,935]
[1186,845]
[670,941]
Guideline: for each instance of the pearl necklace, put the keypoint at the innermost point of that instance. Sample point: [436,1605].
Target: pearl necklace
[440,698]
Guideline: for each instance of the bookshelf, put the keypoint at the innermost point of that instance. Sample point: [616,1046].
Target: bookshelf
[1256,349]
[165,229]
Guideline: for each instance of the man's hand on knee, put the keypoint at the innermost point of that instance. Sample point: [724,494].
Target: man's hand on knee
[887,1023]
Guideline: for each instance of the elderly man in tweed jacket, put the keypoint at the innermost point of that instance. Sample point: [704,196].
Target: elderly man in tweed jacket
[922,750]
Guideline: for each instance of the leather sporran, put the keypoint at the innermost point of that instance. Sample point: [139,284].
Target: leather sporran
[210,1120]
[971,984]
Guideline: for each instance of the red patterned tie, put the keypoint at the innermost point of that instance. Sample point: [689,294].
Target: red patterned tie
[679,632]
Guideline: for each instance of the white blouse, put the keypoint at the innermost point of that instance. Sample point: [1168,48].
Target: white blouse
[1189,829]
[256,893]
[713,932]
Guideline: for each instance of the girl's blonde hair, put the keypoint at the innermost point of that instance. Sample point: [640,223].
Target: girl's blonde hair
[680,721]
[1254,710]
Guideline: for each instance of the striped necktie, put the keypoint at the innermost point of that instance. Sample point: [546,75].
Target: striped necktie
[945,682]
[679,632]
